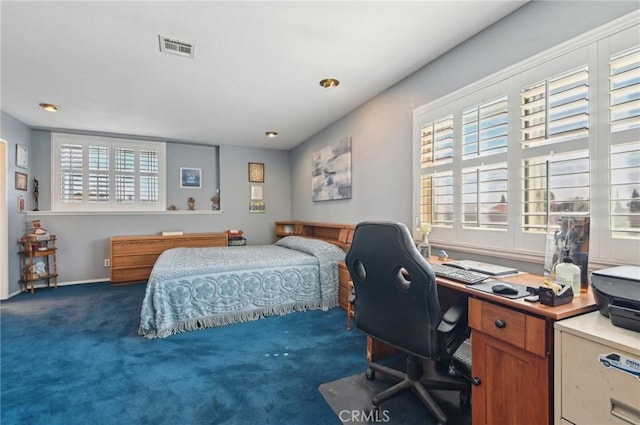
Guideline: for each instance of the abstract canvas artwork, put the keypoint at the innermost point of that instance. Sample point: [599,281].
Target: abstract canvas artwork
[331,172]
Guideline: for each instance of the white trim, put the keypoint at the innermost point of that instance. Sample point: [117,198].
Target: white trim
[168,212]
[4,220]
[43,285]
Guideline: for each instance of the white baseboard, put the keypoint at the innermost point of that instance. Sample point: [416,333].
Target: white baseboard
[42,284]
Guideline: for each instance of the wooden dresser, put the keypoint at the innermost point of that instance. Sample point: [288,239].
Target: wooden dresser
[337,234]
[133,257]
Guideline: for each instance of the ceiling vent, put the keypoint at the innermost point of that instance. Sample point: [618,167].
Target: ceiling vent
[176,47]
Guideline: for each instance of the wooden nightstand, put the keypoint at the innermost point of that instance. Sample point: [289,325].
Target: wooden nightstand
[351,312]
[32,248]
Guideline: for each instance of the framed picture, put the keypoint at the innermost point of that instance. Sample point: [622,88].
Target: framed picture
[22,156]
[21,204]
[256,207]
[256,172]
[21,180]
[257,193]
[190,177]
[331,172]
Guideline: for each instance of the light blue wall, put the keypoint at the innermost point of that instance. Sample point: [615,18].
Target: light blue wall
[83,239]
[15,132]
[381,129]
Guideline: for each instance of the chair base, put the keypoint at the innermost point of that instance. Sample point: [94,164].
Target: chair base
[418,382]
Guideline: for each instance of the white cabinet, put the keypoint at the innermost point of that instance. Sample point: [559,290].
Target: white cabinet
[596,372]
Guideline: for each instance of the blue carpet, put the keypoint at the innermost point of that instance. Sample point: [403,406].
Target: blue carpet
[72,355]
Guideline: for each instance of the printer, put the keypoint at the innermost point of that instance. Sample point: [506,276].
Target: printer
[617,292]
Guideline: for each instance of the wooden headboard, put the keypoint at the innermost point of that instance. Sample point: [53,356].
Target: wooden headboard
[337,234]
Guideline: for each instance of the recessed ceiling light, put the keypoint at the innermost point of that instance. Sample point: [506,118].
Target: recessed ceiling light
[49,107]
[329,83]
[271,134]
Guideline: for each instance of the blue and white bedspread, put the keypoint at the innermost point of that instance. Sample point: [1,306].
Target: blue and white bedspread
[194,288]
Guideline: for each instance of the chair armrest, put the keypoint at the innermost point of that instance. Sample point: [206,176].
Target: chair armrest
[455,315]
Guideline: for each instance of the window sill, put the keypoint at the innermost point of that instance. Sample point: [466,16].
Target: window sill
[168,212]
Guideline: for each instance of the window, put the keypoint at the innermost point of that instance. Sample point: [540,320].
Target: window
[553,187]
[484,129]
[495,176]
[556,109]
[93,173]
[484,197]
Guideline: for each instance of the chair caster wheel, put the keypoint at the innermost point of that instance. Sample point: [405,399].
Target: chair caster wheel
[370,374]
[374,410]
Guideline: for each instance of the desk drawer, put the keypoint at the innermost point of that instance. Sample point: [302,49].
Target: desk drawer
[508,325]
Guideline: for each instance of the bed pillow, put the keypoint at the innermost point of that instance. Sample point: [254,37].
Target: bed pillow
[315,247]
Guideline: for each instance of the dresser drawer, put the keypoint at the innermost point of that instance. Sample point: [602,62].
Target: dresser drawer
[511,326]
[131,261]
[130,275]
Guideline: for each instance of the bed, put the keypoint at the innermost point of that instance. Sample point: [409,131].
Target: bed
[195,288]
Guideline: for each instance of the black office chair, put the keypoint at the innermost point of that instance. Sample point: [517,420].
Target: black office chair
[396,301]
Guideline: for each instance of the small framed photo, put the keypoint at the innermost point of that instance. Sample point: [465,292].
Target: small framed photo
[257,207]
[22,156]
[256,172]
[21,204]
[257,193]
[190,178]
[21,180]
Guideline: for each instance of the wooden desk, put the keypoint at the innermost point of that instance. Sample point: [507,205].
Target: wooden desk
[514,358]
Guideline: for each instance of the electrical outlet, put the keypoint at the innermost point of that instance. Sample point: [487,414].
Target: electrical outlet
[107,262]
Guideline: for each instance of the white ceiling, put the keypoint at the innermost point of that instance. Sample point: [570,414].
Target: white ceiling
[256,67]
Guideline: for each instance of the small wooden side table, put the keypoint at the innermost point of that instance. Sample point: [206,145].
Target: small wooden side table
[351,312]
[32,248]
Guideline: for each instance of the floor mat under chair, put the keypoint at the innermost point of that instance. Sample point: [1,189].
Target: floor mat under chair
[350,400]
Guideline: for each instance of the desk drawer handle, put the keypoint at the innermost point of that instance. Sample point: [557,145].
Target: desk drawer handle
[500,324]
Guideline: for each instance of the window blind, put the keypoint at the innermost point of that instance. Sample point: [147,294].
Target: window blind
[442,198]
[484,129]
[71,175]
[556,109]
[98,176]
[554,186]
[484,197]
[101,173]
[624,90]
[624,172]
[436,140]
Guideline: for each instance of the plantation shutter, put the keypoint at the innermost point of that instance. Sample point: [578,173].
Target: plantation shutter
[624,90]
[554,186]
[556,109]
[484,129]
[125,175]
[149,189]
[98,176]
[484,197]
[71,173]
[94,173]
[624,157]
[442,198]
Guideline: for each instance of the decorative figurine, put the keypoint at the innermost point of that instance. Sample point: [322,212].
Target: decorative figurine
[192,203]
[36,192]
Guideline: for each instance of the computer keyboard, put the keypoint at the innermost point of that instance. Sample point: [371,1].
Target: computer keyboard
[465,276]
